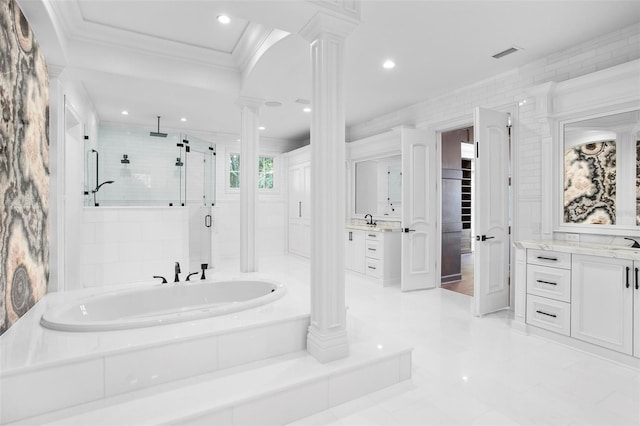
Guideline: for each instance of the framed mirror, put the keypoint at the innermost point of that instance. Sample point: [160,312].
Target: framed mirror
[601,172]
[378,187]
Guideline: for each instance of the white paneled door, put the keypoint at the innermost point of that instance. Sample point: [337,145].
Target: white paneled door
[491,211]
[418,210]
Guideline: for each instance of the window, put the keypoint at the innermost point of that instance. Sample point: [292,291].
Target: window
[265,172]
[234,171]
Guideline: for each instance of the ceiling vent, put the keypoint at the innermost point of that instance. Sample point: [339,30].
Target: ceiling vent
[303,101]
[506,52]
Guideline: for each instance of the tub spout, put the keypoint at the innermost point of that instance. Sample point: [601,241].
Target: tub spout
[177,271]
[190,275]
[164,280]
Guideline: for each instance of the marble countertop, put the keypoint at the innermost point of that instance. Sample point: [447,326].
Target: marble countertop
[605,250]
[376,228]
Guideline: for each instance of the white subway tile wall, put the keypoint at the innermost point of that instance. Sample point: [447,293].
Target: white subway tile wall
[132,244]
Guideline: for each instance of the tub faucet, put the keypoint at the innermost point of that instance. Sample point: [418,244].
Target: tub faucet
[164,280]
[190,275]
[177,271]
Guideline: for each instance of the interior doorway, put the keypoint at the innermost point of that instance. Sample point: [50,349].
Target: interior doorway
[457,164]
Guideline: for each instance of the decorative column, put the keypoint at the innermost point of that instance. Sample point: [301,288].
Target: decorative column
[249,137]
[327,335]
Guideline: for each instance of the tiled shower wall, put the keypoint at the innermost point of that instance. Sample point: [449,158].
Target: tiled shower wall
[131,244]
[24,167]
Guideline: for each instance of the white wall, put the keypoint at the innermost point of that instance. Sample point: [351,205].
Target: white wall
[131,244]
[272,208]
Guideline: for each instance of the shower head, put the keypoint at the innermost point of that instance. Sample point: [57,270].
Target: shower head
[158,134]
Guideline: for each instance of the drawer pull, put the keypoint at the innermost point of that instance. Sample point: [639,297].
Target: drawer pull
[554,259]
[371,249]
[546,282]
[372,235]
[371,267]
[547,314]
[637,285]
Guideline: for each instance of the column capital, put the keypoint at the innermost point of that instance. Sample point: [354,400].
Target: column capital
[249,102]
[327,23]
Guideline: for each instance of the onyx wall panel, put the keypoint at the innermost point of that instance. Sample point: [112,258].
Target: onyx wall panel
[24,167]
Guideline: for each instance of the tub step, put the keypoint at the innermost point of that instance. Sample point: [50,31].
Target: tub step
[45,388]
[269,392]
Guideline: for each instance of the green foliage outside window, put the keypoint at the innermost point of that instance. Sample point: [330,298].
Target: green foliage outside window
[234,171]
[265,172]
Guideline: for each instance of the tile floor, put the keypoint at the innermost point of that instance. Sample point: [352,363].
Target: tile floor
[469,370]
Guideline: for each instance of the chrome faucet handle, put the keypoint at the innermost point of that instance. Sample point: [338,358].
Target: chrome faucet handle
[190,275]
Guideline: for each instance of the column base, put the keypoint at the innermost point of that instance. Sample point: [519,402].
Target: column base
[327,347]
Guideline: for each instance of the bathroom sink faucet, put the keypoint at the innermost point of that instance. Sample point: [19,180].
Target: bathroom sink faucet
[177,271]
[635,242]
[370,221]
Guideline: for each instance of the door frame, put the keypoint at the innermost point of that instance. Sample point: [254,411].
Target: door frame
[465,121]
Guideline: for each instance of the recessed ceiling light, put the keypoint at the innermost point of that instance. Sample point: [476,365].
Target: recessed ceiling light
[261,128]
[237,140]
[125,112]
[223,19]
[183,119]
[388,64]
[307,109]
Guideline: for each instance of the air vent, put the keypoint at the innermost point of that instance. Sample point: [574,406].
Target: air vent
[273,104]
[506,52]
[303,101]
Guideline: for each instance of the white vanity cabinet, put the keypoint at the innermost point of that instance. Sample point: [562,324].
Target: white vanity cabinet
[374,253]
[382,256]
[586,292]
[548,290]
[354,250]
[603,292]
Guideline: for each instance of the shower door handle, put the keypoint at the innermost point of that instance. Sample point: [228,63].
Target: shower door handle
[207,221]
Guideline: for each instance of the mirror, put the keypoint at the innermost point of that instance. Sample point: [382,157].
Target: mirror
[601,164]
[378,187]
[131,167]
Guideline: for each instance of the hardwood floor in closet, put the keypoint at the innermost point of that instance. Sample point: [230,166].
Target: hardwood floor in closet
[465,285]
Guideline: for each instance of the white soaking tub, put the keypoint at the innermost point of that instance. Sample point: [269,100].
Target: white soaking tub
[160,304]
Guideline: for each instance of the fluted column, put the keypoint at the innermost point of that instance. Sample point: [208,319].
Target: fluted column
[249,141]
[327,335]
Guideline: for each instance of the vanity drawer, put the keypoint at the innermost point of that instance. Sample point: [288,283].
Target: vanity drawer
[371,235]
[549,258]
[373,249]
[549,314]
[553,283]
[373,267]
